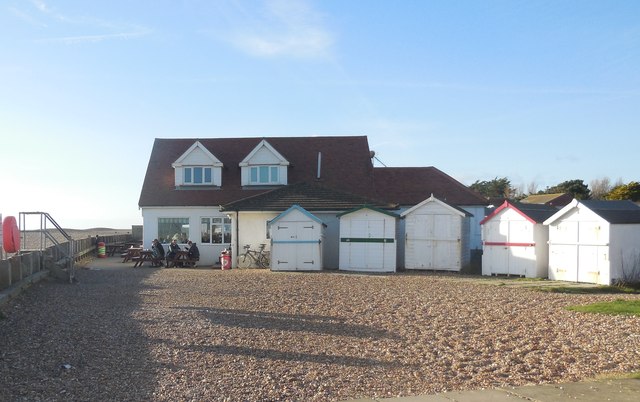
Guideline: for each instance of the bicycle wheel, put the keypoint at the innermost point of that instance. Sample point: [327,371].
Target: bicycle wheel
[264,262]
[244,261]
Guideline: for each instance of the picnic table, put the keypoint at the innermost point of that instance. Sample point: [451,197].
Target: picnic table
[132,253]
[112,248]
[181,259]
[147,255]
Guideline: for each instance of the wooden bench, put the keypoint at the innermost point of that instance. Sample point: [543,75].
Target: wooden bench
[147,255]
[190,262]
[181,259]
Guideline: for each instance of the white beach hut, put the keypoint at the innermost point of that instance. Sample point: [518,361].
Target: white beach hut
[595,242]
[368,240]
[514,240]
[436,236]
[297,239]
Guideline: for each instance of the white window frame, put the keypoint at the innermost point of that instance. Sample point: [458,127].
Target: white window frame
[271,174]
[179,226]
[191,172]
[213,223]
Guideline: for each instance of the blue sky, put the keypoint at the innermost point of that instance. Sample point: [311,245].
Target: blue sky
[536,91]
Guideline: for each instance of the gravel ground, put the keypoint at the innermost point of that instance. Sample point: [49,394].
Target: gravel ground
[252,335]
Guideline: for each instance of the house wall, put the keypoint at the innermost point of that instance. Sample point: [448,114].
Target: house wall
[252,224]
[252,230]
[624,253]
[209,253]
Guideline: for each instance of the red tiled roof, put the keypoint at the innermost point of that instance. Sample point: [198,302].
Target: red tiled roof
[409,186]
[345,165]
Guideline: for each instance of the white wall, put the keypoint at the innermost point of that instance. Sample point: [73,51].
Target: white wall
[365,256]
[579,248]
[523,259]
[624,252]
[252,231]
[436,237]
[209,253]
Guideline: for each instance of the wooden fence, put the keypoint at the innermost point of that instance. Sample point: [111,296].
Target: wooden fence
[21,270]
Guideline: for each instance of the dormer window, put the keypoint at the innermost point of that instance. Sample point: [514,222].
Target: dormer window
[197,167]
[264,166]
[264,175]
[197,175]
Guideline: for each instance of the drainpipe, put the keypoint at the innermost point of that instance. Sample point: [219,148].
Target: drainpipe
[234,263]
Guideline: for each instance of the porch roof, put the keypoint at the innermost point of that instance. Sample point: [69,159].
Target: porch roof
[310,196]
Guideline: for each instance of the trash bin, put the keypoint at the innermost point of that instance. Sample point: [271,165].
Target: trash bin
[102,250]
[225,259]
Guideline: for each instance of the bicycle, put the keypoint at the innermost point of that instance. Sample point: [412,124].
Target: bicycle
[259,258]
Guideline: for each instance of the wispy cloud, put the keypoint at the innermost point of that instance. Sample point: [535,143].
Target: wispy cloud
[93,29]
[289,28]
[72,40]
[26,17]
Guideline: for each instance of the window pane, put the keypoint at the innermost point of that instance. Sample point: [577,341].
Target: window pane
[173,228]
[274,174]
[227,230]
[205,230]
[197,175]
[254,175]
[187,175]
[207,175]
[216,228]
[264,174]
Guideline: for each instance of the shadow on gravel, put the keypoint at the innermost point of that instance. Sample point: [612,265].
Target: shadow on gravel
[290,322]
[273,354]
[79,341]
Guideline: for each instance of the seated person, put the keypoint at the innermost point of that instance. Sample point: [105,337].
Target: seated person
[173,250]
[158,252]
[194,253]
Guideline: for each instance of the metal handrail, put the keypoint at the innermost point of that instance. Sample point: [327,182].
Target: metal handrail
[45,235]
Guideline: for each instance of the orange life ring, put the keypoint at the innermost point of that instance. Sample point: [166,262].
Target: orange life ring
[10,235]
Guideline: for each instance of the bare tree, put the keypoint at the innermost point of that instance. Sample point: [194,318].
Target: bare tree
[600,188]
[619,182]
[517,192]
[532,188]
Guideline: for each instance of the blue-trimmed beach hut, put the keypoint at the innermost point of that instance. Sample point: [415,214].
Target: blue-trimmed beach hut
[297,239]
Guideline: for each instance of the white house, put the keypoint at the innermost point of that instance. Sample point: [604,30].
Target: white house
[222,192]
[515,240]
[437,236]
[595,242]
[297,240]
[368,240]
